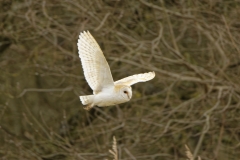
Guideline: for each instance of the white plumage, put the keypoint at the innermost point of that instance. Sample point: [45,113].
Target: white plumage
[97,72]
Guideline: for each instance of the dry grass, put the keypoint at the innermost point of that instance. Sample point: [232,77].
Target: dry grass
[114,150]
[189,154]
[193,47]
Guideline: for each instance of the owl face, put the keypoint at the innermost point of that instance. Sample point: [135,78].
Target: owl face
[126,92]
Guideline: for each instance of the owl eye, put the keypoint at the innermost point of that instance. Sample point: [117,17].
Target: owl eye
[125,92]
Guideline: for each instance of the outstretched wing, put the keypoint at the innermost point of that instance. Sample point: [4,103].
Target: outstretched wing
[95,67]
[135,79]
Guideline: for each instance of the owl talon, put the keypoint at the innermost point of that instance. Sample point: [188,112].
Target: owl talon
[88,107]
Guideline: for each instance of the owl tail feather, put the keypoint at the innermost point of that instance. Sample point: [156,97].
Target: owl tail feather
[87,100]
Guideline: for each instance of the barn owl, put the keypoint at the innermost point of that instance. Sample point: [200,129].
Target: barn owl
[97,73]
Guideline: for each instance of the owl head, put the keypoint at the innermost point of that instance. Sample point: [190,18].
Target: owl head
[126,92]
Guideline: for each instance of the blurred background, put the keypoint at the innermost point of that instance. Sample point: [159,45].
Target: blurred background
[193,47]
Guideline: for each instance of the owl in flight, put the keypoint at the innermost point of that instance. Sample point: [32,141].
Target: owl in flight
[96,70]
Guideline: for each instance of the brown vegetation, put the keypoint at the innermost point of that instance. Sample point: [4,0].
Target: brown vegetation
[193,47]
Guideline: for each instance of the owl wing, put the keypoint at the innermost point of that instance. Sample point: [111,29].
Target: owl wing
[135,79]
[95,67]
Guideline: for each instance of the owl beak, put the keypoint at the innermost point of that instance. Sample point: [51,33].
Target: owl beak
[129,96]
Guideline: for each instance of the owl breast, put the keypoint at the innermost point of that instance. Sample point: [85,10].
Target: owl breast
[108,98]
